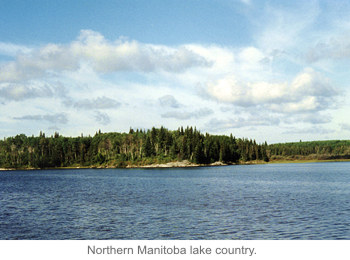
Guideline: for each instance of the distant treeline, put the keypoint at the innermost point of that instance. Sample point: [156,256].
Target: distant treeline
[158,145]
[315,150]
[138,147]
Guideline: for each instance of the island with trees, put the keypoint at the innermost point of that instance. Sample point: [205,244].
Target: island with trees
[155,147]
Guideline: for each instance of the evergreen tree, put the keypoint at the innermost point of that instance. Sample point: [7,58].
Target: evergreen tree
[148,148]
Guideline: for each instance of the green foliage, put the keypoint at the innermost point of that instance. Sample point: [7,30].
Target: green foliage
[137,147]
[323,150]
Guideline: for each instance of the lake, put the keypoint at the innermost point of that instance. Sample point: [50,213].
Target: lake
[272,201]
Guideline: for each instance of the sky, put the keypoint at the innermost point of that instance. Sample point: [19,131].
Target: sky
[275,71]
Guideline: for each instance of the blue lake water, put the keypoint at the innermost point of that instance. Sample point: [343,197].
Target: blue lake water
[273,201]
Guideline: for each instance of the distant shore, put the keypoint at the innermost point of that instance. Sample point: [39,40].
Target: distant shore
[178,164]
[181,164]
[306,161]
[175,164]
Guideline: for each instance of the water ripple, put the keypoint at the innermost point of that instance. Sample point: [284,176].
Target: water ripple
[234,202]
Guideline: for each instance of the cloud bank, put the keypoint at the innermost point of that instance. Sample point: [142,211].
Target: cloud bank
[104,56]
[215,87]
[308,91]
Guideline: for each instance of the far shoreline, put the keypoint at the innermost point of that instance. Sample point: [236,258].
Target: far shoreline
[177,164]
[306,161]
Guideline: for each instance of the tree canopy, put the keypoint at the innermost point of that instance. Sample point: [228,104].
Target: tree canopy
[138,147]
[316,150]
[156,145]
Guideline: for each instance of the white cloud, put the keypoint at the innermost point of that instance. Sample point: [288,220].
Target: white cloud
[152,85]
[9,49]
[104,56]
[251,57]
[309,91]
[38,63]
[19,92]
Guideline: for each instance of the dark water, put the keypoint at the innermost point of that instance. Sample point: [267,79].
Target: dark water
[285,201]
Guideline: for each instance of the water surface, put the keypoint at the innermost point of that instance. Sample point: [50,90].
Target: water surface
[273,201]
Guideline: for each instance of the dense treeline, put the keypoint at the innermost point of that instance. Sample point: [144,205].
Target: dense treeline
[138,147]
[319,150]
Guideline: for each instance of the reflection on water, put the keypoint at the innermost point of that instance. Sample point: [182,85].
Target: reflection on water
[285,201]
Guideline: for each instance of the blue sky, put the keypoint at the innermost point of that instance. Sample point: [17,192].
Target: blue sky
[269,70]
[160,22]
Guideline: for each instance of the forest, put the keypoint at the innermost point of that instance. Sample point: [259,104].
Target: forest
[156,146]
[315,150]
[136,148]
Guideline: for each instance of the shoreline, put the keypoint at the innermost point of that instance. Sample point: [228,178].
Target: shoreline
[177,164]
[306,161]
